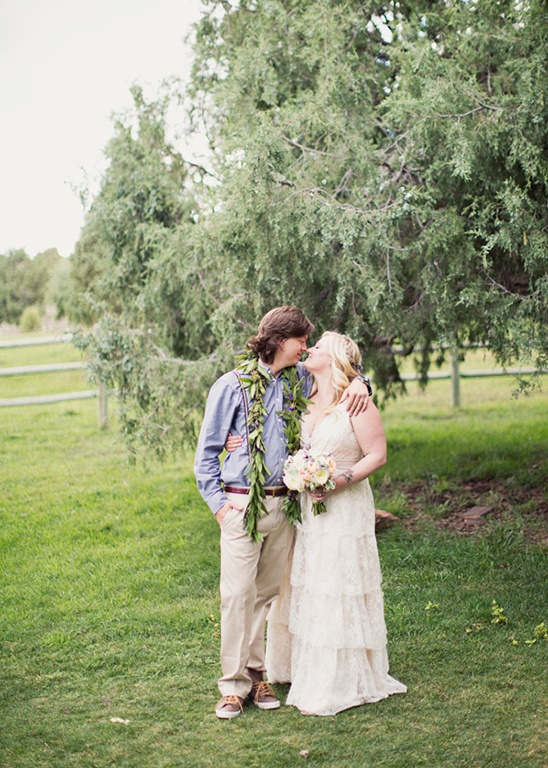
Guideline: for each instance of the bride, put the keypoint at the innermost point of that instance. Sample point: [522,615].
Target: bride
[326,631]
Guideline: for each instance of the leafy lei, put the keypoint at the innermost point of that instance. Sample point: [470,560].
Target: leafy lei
[255,378]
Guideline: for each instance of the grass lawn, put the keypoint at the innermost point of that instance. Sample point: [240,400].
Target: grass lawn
[109,631]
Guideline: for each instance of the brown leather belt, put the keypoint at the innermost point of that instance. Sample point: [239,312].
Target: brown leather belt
[280,491]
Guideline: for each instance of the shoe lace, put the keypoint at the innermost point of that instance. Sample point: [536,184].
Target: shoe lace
[233,699]
[262,688]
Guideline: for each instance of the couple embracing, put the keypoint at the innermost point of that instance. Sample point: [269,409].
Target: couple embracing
[318,580]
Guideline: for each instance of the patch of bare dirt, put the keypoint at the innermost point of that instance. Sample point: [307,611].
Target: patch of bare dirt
[467,506]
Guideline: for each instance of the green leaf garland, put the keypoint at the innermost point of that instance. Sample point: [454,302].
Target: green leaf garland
[255,379]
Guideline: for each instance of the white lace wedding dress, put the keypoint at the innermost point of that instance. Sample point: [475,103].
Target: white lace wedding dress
[326,631]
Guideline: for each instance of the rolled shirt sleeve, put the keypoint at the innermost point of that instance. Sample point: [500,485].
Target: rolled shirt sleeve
[220,418]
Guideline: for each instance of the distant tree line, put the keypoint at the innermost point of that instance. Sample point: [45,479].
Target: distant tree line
[381,165]
[27,282]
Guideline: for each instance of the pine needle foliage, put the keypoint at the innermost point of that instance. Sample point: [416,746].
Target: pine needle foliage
[380,165]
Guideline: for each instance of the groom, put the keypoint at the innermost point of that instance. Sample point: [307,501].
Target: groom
[252,570]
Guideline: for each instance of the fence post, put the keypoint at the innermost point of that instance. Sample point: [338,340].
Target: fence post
[454,396]
[103,406]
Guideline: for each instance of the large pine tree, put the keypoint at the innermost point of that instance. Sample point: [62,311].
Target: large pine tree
[383,166]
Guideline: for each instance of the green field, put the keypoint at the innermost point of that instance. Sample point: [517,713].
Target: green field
[109,616]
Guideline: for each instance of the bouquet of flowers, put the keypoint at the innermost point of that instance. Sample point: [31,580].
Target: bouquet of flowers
[309,471]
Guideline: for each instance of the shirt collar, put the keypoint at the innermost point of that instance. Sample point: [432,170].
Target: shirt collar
[269,369]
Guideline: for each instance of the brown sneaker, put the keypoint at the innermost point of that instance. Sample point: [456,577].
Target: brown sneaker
[229,707]
[262,695]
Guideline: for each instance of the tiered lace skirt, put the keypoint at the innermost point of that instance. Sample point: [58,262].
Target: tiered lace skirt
[326,631]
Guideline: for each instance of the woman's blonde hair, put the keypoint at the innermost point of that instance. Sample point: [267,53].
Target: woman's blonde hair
[346,363]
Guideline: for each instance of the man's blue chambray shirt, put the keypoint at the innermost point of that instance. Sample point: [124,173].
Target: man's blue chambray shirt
[225,413]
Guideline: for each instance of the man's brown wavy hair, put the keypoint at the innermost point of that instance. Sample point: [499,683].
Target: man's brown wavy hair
[277,325]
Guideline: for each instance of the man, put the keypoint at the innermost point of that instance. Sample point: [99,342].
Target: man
[252,567]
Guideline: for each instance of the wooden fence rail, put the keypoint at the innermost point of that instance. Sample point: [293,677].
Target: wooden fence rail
[38,341]
[42,399]
[25,370]
[455,374]
[46,368]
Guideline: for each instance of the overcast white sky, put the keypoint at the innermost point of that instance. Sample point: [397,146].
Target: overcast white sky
[65,67]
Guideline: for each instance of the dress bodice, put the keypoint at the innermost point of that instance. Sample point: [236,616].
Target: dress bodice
[334,435]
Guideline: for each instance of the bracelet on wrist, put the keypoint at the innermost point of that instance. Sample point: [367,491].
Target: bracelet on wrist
[367,381]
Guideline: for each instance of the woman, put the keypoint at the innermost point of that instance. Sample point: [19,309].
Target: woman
[326,631]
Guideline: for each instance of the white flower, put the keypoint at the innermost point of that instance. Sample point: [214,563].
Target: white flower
[293,480]
[307,471]
[322,476]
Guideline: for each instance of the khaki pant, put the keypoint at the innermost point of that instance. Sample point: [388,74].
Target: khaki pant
[251,576]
